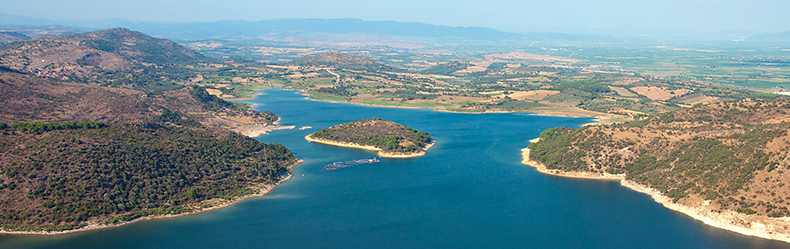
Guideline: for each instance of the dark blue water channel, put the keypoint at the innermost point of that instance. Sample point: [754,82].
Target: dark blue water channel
[468,191]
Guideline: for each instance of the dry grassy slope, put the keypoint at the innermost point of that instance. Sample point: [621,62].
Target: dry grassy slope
[7,37]
[732,154]
[86,54]
[32,99]
[29,98]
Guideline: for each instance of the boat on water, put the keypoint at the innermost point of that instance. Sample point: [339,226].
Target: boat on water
[305,128]
[352,163]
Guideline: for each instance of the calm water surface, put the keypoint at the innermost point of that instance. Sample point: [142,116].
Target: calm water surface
[468,191]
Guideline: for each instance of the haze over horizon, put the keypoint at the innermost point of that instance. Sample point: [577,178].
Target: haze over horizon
[568,16]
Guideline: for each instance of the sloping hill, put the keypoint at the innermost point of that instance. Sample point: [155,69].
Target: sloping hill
[341,61]
[148,154]
[446,68]
[66,179]
[29,98]
[718,158]
[129,57]
[6,37]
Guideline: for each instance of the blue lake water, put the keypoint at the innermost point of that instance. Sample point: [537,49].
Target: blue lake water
[469,191]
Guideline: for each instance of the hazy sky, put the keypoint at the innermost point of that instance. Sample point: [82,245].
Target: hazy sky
[508,15]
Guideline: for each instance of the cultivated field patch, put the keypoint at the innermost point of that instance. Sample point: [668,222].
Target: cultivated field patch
[658,93]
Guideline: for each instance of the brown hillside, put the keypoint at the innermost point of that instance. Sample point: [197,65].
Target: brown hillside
[89,55]
[151,154]
[731,154]
[33,99]
[29,98]
[7,37]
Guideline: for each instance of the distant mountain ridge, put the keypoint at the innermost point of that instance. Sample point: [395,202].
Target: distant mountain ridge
[278,27]
[772,37]
[304,28]
[36,31]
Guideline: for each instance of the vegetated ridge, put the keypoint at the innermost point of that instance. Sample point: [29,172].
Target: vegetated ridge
[74,155]
[388,136]
[11,36]
[65,179]
[446,68]
[113,57]
[341,61]
[729,156]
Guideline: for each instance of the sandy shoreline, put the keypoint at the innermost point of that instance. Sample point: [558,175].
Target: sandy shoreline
[584,175]
[751,225]
[253,130]
[218,203]
[257,130]
[365,147]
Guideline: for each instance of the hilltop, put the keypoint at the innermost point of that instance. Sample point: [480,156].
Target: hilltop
[390,138]
[118,57]
[341,61]
[6,37]
[722,163]
[447,68]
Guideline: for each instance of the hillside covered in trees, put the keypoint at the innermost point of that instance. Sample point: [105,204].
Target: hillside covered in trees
[728,156]
[61,179]
[385,135]
[74,154]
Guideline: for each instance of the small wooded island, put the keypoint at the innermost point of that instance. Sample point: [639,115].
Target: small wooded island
[389,138]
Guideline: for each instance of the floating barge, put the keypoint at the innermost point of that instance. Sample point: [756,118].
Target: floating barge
[352,163]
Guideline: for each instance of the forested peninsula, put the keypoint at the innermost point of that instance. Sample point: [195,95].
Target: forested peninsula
[119,136]
[389,138]
[721,163]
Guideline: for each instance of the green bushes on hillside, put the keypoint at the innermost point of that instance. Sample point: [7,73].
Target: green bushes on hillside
[42,127]
[69,176]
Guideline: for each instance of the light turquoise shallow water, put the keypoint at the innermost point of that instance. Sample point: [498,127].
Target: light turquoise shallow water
[468,191]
